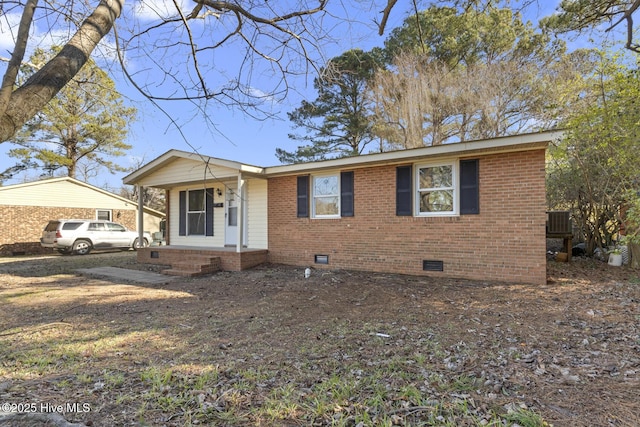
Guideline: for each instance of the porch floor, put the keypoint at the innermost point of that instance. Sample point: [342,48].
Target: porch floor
[230,260]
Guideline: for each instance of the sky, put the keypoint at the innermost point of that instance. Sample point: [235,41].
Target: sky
[233,134]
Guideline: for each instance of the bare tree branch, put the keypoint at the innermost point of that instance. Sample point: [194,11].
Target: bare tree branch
[27,100]
[177,54]
[17,56]
[628,17]
[385,16]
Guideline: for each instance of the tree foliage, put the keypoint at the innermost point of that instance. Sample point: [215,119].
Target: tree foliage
[466,36]
[631,220]
[337,123]
[85,123]
[463,75]
[595,166]
[579,15]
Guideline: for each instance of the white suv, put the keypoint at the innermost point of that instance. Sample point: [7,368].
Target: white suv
[80,236]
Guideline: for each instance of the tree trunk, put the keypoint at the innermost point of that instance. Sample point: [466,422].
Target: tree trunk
[31,97]
[634,251]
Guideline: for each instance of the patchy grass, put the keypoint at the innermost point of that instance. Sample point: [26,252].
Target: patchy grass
[268,348]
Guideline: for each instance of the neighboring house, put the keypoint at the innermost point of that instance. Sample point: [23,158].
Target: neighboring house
[26,208]
[472,210]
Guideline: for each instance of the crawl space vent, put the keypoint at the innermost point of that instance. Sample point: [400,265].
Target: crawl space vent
[432,265]
[321,259]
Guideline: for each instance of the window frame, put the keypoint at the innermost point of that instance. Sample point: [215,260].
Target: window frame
[202,213]
[109,213]
[455,188]
[337,195]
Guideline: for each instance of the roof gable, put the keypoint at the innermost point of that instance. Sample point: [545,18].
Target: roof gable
[64,192]
[180,167]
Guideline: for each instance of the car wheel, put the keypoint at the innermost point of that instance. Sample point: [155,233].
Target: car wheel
[82,247]
[137,245]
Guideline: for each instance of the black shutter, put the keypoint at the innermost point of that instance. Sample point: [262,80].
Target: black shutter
[303,196]
[182,221]
[208,212]
[469,187]
[346,194]
[404,190]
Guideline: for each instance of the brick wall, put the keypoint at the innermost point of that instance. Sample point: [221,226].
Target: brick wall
[229,260]
[505,242]
[22,226]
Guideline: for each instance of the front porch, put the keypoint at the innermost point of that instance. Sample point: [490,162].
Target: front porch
[193,260]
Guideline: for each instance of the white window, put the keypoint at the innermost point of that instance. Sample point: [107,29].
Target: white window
[195,213]
[103,214]
[436,189]
[326,196]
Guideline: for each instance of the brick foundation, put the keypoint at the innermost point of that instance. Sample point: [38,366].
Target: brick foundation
[229,259]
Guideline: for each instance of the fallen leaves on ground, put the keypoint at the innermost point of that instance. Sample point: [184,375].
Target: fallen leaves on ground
[269,347]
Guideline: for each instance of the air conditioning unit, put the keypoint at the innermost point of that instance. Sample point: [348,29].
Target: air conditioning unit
[558,222]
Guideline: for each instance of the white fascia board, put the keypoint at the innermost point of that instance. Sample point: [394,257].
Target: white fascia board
[502,144]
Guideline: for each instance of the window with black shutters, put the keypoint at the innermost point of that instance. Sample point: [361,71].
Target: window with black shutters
[438,189]
[326,196]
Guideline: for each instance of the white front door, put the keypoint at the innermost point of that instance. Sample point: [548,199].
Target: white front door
[231,215]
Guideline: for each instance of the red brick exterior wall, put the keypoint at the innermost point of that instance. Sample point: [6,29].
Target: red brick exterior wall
[22,226]
[505,242]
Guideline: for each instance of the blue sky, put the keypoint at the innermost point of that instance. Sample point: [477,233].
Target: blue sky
[236,136]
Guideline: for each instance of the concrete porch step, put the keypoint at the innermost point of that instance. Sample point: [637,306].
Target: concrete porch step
[194,266]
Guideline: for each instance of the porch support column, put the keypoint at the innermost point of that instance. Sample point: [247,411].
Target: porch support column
[140,215]
[240,229]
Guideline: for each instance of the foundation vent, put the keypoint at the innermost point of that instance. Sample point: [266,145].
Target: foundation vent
[432,265]
[321,259]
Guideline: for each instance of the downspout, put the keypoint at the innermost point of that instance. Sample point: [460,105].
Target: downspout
[140,216]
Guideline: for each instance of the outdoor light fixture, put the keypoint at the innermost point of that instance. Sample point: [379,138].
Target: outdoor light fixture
[219,192]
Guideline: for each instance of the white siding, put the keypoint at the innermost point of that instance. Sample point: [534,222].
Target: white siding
[257,214]
[256,200]
[63,194]
[217,240]
[184,171]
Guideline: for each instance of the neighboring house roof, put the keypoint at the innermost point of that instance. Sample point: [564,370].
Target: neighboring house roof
[8,193]
[495,145]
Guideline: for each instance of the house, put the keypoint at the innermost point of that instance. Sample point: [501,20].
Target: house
[26,208]
[471,210]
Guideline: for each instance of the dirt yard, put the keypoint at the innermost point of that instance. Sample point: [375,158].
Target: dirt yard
[267,347]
